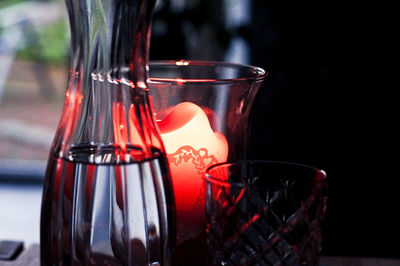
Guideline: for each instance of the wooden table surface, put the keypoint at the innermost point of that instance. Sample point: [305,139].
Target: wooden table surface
[30,257]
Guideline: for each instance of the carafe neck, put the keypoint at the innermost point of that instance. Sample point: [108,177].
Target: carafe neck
[107,103]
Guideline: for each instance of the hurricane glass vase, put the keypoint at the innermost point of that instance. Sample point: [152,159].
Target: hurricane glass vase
[202,110]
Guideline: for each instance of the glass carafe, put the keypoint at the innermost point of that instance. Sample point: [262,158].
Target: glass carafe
[107,197]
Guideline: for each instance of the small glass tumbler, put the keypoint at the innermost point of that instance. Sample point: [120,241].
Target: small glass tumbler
[264,213]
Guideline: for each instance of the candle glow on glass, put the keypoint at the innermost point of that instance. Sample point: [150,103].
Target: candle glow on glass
[192,146]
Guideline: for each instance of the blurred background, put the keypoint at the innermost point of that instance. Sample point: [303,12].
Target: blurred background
[327,101]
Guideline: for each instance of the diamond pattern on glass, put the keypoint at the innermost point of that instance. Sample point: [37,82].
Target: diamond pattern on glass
[250,225]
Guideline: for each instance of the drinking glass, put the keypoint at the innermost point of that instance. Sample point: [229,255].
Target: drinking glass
[264,213]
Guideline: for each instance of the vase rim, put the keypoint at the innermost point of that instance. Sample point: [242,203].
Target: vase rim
[255,73]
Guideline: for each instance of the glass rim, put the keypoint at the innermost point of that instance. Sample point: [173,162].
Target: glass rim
[259,73]
[322,176]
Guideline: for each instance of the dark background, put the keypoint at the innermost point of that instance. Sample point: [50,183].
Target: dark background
[328,101]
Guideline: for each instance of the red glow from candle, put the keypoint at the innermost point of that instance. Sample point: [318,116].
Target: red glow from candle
[192,146]
[126,132]
[90,171]
[72,107]
[180,80]
[120,127]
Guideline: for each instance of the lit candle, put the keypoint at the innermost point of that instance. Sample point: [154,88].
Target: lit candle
[192,146]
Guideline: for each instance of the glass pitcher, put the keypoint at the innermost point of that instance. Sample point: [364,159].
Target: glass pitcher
[107,195]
